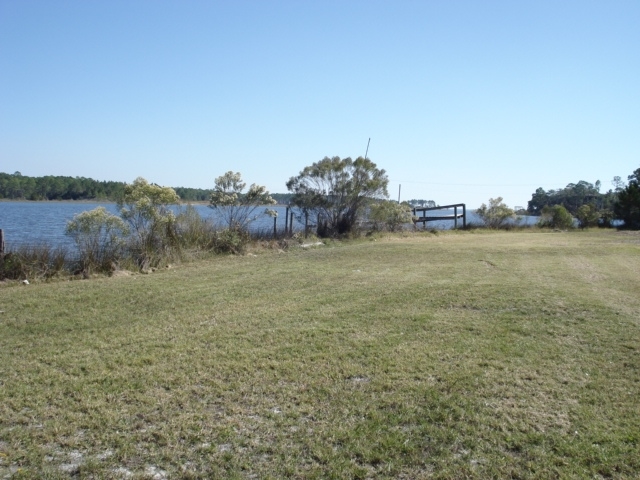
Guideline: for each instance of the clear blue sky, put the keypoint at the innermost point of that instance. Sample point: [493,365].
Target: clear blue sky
[462,100]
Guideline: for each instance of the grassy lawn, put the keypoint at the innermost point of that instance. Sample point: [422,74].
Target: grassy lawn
[458,355]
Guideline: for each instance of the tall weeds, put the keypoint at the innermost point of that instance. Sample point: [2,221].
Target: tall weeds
[193,231]
[35,262]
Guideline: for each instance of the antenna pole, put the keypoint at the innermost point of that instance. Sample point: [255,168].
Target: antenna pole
[399,189]
[365,155]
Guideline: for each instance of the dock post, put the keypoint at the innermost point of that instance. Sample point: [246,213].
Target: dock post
[1,242]
[306,224]
[286,221]
[464,216]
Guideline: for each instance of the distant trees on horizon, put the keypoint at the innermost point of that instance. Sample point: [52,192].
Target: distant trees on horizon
[22,187]
[575,196]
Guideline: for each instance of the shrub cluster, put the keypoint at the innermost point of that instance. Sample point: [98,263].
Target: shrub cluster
[497,214]
[556,216]
[104,245]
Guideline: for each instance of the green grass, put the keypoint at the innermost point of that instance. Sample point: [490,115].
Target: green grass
[459,355]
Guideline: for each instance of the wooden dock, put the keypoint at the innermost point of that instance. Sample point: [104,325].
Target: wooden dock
[424,218]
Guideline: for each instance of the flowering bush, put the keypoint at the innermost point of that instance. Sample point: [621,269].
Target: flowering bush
[145,207]
[236,208]
[99,237]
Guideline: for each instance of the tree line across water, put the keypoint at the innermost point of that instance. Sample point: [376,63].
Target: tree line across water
[316,185]
[22,187]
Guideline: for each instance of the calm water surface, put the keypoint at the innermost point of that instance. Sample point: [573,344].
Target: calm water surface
[34,223]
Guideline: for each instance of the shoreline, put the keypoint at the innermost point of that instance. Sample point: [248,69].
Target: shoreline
[186,202]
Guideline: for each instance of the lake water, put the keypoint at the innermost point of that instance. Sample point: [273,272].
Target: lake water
[34,223]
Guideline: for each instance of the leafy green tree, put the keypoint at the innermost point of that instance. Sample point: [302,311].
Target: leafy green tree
[338,191]
[497,214]
[556,217]
[15,188]
[236,208]
[606,218]
[145,207]
[99,236]
[588,216]
[627,206]
[618,183]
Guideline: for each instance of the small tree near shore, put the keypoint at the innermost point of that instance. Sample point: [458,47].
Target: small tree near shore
[556,217]
[146,209]
[588,216]
[338,191]
[497,214]
[390,215]
[236,208]
[99,236]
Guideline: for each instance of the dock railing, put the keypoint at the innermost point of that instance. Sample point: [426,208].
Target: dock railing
[420,214]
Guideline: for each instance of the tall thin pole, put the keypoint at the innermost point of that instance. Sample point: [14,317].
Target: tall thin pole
[286,220]
[399,189]
[306,223]
[365,155]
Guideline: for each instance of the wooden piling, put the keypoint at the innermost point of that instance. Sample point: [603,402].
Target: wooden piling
[306,224]
[1,242]
[286,221]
